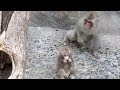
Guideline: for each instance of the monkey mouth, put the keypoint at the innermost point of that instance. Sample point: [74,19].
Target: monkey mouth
[66,61]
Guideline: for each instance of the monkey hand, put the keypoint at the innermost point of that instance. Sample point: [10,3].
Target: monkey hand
[65,43]
[95,55]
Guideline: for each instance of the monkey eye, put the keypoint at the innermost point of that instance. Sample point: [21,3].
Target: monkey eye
[88,21]
[65,55]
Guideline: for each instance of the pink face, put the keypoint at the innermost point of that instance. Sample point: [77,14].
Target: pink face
[88,24]
[67,59]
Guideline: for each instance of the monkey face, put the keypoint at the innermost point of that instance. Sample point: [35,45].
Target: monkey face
[91,20]
[65,55]
[88,24]
[67,59]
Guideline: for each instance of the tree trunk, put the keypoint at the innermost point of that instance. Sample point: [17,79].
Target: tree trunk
[14,27]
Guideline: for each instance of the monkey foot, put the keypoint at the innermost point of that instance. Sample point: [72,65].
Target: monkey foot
[71,76]
[96,56]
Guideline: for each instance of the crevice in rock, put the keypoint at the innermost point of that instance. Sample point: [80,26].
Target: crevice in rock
[6,16]
[5,65]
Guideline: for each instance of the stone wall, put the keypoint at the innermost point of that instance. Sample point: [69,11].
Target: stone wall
[55,19]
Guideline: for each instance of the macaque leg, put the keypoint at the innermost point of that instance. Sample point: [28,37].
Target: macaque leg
[72,74]
[60,74]
[95,46]
[81,43]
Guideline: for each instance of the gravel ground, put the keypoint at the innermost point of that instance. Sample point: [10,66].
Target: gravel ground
[43,44]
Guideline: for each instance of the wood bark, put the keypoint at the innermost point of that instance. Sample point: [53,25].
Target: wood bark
[13,38]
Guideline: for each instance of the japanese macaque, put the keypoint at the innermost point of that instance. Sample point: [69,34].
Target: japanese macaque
[85,31]
[4,59]
[65,64]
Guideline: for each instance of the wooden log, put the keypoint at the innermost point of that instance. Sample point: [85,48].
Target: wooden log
[13,38]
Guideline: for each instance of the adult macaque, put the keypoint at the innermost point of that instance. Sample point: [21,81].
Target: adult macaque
[85,31]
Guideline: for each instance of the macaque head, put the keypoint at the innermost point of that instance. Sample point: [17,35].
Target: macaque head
[90,20]
[66,55]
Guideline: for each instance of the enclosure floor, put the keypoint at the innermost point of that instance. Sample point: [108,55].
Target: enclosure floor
[42,48]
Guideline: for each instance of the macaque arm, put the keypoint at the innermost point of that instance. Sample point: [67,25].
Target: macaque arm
[80,42]
[66,40]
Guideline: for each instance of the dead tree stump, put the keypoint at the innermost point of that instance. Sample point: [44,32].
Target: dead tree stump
[13,38]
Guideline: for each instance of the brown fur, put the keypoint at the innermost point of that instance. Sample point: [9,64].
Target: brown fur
[65,69]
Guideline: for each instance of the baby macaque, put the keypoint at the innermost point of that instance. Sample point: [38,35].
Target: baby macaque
[4,59]
[85,31]
[65,64]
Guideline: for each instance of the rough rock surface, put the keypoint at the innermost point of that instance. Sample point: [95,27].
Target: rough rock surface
[55,19]
[43,44]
